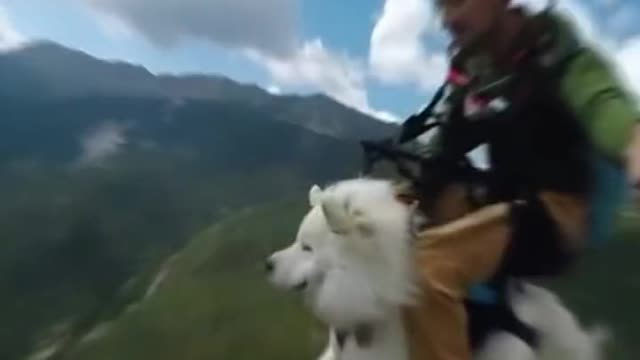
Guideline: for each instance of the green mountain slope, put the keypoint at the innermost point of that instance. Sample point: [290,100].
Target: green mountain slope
[216,304]
[178,169]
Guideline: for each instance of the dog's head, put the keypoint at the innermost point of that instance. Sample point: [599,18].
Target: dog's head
[351,256]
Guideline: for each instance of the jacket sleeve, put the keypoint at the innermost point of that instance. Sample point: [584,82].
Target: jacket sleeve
[600,100]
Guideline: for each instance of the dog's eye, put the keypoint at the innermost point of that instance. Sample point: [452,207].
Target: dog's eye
[306,248]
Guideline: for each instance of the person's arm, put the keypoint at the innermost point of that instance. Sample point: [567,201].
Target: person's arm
[607,109]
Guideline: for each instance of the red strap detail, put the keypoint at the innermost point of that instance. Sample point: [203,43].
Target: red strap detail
[457,78]
[476,100]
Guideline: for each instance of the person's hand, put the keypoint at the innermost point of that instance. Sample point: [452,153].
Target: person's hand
[633,158]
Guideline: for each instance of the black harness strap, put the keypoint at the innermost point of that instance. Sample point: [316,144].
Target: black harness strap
[416,125]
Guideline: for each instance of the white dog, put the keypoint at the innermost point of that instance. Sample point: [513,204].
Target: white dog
[352,261]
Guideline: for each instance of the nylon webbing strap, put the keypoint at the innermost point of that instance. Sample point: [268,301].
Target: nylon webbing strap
[415,125]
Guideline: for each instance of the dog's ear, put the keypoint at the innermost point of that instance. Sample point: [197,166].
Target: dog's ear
[315,195]
[337,215]
[342,218]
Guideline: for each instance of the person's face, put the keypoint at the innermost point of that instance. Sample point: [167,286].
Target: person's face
[470,20]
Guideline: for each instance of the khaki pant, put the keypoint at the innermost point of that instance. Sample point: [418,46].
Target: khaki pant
[459,253]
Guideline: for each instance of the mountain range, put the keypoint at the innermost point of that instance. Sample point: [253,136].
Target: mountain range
[47,70]
[107,169]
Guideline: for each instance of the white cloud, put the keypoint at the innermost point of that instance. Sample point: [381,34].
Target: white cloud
[113,26]
[535,5]
[399,54]
[623,54]
[313,64]
[274,90]
[10,37]
[399,42]
[101,143]
[582,17]
[397,51]
[384,115]
[628,58]
[266,30]
[267,26]
[337,75]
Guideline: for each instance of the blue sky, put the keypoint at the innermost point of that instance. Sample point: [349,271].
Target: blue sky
[383,57]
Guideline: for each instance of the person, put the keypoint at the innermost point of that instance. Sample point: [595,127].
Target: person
[548,107]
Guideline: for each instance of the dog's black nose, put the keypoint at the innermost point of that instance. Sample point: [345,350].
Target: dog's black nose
[268,265]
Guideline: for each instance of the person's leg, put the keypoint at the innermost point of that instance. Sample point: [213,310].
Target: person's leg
[470,250]
[450,258]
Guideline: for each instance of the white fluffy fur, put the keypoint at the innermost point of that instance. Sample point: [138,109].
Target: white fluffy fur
[352,261]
